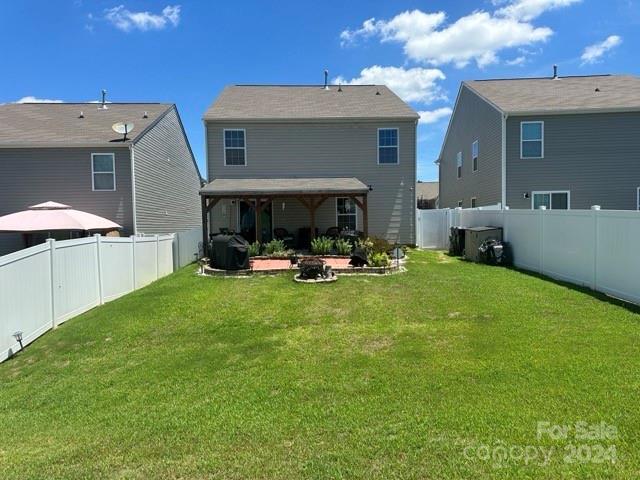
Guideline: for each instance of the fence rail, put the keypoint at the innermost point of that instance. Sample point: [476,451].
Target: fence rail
[594,248]
[43,286]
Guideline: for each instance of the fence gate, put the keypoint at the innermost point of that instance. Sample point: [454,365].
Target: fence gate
[433,228]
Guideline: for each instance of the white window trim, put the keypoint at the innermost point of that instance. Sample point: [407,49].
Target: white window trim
[93,182]
[541,139]
[225,148]
[474,199]
[397,147]
[459,172]
[354,203]
[476,158]
[568,192]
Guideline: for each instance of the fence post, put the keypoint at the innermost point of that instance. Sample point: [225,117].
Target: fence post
[595,209]
[133,261]
[98,238]
[52,254]
[157,257]
[176,251]
[541,230]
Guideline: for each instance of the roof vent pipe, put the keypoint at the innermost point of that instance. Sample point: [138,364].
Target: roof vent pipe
[555,72]
[104,99]
[326,79]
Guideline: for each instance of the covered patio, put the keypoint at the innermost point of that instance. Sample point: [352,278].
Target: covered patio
[310,192]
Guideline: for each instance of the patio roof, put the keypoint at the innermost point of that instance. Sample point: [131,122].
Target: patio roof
[270,187]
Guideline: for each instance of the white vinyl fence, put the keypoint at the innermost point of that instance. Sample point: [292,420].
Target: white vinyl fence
[43,286]
[599,249]
[187,247]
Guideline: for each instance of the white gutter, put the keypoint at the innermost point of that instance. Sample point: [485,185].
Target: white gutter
[133,187]
[503,194]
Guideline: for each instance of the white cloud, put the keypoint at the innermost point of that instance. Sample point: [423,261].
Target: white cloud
[433,116]
[477,37]
[31,99]
[518,61]
[593,53]
[527,10]
[412,85]
[127,20]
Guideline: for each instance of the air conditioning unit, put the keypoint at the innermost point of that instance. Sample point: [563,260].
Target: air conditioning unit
[474,237]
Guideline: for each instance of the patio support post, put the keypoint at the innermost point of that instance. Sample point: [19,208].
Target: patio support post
[258,220]
[205,229]
[365,216]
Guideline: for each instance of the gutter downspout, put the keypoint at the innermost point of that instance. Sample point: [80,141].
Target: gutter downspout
[503,193]
[132,157]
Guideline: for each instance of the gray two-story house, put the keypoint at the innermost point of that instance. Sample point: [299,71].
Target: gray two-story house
[310,160]
[558,142]
[68,153]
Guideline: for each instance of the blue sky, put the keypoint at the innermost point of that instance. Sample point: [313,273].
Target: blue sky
[185,51]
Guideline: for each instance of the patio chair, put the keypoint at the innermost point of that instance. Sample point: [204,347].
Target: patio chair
[333,232]
[283,234]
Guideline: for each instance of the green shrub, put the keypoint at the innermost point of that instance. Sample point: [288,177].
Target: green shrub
[379,260]
[321,245]
[380,245]
[254,249]
[275,246]
[343,246]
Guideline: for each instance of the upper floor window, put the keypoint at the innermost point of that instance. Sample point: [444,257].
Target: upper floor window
[531,139]
[459,164]
[235,149]
[475,151]
[103,171]
[388,145]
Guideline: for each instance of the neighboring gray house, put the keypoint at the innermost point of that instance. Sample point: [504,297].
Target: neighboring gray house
[561,142]
[427,195]
[68,153]
[314,156]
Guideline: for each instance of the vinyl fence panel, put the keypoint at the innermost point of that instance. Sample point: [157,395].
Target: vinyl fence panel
[25,297]
[595,248]
[116,267]
[42,286]
[187,247]
[75,277]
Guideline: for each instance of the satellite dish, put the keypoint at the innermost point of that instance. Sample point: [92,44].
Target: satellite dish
[122,128]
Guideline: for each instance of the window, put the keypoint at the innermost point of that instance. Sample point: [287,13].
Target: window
[474,154]
[235,150]
[346,215]
[388,146]
[474,201]
[551,200]
[532,140]
[459,203]
[459,164]
[103,171]
[638,198]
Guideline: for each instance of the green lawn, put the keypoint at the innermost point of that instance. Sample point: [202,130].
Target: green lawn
[414,375]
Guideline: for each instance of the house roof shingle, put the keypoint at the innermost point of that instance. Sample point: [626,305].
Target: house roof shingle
[564,94]
[309,102]
[283,186]
[60,124]
[427,190]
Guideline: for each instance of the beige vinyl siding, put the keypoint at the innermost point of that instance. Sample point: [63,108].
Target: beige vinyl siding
[474,119]
[594,156]
[327,149]
[34,175]
[167,179]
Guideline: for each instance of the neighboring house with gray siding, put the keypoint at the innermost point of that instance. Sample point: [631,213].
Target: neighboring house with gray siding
[561,142]
[68,153]
[291,133]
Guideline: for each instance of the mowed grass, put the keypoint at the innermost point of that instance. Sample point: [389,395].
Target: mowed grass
[406,376]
